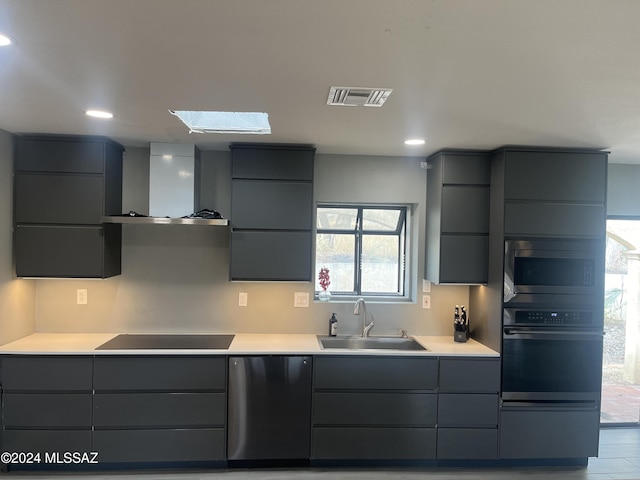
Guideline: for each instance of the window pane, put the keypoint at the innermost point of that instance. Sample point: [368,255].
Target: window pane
[383,219]
[336,252]
[380,263]
[337,218]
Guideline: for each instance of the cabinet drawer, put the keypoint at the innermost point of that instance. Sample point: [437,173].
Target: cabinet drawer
[467,444]
[373,444]
[67,251]
[376,373]
[268,256]
[556,176]
[59,155]
[554,219]
[467,410]
[549,434]
[170,445]
[47,410]
[465,209]
[470,375]
[160,373]
[272,163]
[467,168]
[463,259]
[76,199]
[392,409]
[47,441]
[159,409]
[272,205]
[46,373]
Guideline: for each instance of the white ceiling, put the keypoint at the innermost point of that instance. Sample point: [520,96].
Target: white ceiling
[465,73]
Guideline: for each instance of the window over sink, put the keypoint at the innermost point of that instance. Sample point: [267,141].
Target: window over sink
[364,247]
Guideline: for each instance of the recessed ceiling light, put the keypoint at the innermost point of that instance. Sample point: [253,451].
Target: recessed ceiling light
[99,114]
[256,123]
[4,40]
[414,141]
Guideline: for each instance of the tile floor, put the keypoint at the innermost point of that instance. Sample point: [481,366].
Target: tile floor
[620,403]
[619,459]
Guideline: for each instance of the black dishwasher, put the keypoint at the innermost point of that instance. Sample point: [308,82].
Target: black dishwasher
[269,409]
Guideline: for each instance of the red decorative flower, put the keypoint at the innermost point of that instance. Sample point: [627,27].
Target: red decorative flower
[323,278]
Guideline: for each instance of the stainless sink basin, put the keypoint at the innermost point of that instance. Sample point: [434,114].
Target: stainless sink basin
[370,343]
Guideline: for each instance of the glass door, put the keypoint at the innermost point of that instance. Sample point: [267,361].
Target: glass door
[621,362]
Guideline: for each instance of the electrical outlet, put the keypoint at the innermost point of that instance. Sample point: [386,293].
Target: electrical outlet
[82,297]
[301,299]
[426,286]
[426,301]
[243,299]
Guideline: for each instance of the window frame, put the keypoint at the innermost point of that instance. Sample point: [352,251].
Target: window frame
[359,232]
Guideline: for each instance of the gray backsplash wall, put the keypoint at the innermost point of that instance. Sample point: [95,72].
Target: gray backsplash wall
[17,297]
[175,278]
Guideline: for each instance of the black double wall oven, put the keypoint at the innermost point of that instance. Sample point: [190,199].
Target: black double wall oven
[552,323]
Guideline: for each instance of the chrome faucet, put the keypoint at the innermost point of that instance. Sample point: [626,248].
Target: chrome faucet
[359,307]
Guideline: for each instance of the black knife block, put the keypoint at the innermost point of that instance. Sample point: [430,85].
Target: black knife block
[461,336]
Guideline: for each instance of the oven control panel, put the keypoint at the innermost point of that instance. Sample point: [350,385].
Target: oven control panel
[553,317]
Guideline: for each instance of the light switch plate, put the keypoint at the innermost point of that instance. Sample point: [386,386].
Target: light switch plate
[243,299]
[426,301]
[301,299]
[82,297]
[426,286]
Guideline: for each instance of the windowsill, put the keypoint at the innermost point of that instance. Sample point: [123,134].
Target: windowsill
[353,298]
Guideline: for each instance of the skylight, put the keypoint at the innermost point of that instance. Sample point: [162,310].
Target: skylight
[256,123]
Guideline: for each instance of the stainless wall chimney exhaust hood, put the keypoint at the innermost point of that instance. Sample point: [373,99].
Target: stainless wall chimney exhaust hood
[174,188]
[174,180]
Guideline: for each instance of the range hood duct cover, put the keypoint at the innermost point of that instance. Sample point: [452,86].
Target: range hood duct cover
[174,180]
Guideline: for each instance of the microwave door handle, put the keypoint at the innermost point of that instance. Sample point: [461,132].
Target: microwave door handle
[574,255]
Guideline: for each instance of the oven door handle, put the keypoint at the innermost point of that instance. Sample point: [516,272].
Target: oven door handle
[522,331]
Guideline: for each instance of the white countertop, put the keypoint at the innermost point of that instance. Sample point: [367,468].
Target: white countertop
[243,344]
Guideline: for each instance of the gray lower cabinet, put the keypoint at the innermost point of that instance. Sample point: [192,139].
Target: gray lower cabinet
[373,443]
[374,408]
[160,408]
[46,404]
[468,408]
[533,433]
[160,445]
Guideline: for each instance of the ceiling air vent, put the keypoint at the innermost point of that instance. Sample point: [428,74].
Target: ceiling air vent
[358,96]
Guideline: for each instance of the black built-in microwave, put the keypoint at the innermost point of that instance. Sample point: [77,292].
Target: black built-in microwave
[558,272]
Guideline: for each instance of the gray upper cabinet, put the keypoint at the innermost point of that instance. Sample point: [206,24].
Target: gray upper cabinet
[565,176]
[282,205]
[457,217]
[553,192]
[272,162]
[63,185]
[271,212]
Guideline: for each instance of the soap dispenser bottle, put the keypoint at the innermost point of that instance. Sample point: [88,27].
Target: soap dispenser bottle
[333,325]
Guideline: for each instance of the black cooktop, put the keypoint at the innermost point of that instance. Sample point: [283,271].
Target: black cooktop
[167,342]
